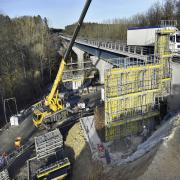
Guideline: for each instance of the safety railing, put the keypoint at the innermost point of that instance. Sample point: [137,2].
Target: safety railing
[168,23]
[129,61]
[117,46]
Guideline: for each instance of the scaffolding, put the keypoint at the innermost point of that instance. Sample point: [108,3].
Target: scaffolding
[133,90]
[78,72]
[48,143]
[50,161]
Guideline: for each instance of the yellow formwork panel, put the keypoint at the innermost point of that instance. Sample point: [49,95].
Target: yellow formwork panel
[131,92]
[126,129]
[162,51]
[130,107]
[124,81]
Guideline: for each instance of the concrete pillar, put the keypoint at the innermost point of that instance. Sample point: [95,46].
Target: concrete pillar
[119,47]
[80,61]
[134,49]
[80,55]
[102,66]
[124,48]
[175,74]
[129,49]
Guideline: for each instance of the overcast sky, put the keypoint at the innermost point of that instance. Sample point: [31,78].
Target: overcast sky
[63,12]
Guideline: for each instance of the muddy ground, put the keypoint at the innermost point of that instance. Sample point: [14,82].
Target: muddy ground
[161,163]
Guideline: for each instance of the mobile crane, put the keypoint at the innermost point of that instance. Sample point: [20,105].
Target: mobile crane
[52,107]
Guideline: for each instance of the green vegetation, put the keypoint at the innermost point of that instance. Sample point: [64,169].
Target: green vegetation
[116,29]
[27,58]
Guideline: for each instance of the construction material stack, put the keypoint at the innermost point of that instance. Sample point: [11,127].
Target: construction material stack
[48,143]
[50,161]
[4,175]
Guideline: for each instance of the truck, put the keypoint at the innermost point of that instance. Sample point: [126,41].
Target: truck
[146,37]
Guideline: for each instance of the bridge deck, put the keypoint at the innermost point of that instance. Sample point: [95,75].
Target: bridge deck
[114,48]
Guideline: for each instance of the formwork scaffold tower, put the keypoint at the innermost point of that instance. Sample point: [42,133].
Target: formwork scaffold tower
[76,73]
[133,92]
[50,161]
[48,143]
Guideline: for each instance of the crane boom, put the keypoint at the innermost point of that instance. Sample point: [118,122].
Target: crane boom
[67,53]
[53,105]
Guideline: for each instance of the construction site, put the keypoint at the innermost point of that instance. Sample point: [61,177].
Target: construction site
[113,112]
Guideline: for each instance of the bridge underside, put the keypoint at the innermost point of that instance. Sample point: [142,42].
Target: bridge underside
[98,52]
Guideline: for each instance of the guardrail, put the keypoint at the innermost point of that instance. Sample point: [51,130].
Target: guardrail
[116,46]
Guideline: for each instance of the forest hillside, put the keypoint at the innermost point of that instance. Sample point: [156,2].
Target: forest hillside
[116,29]
[28,56]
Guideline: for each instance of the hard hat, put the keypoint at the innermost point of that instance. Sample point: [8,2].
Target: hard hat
[144,127]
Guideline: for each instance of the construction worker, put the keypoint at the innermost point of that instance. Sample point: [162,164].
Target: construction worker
[101,150]
[144,133]
[17,143]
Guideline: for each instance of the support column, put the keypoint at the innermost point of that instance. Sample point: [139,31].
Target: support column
[80,56]
[102,66]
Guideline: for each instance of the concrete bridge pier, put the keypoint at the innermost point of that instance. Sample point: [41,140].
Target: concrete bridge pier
[80,56]
[175,76]
[78,78]
[102,66]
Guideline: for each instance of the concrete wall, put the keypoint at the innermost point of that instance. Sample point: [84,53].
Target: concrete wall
[174,100]
[176,73]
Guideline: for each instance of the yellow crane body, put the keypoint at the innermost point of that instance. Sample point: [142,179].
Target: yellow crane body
[53,103]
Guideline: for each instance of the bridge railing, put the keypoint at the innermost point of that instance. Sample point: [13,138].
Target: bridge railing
[117,46]
[129,61]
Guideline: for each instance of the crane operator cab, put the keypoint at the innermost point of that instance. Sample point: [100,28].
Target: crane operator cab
[38,116]
[43,112]
[43,115]
[174,43]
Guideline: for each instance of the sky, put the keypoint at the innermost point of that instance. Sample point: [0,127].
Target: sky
[64,12]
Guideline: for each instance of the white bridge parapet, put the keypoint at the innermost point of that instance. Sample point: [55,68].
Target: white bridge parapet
[115,47]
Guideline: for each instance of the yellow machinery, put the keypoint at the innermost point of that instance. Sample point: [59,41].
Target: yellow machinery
[56,171]
[52,103]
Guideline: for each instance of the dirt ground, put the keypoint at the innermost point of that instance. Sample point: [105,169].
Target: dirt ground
[161,163]
[80,156]
[166,163]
